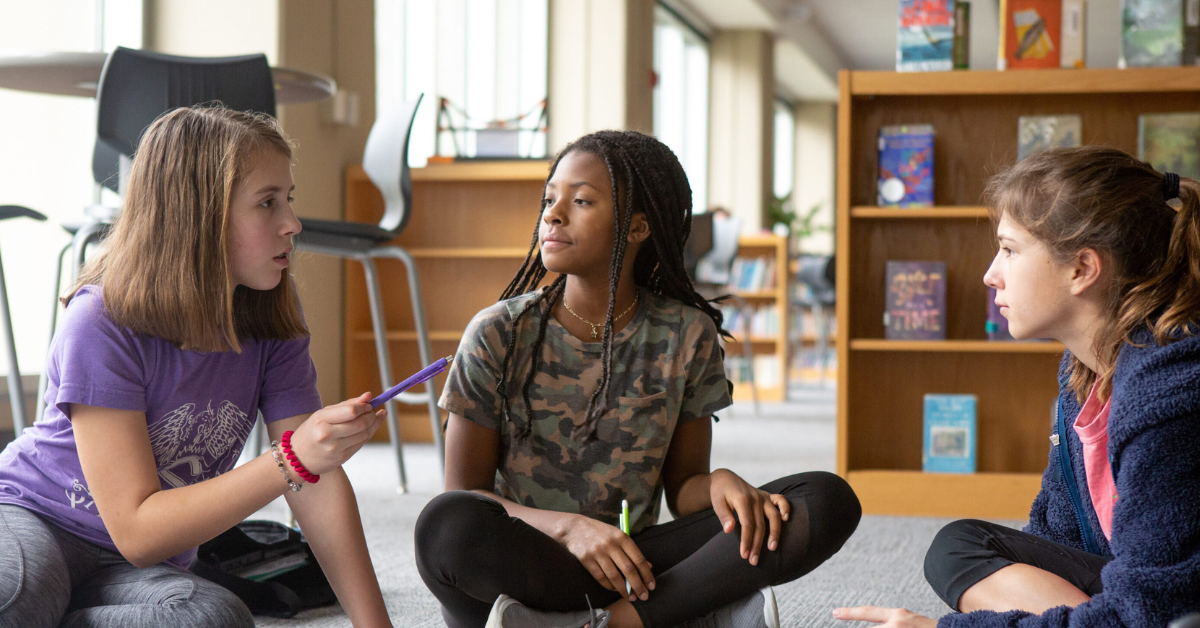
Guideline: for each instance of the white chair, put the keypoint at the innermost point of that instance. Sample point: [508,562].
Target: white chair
[385,161]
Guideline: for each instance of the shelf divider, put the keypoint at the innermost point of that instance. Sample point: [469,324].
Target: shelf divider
[956,346]
[919,212]
[916,493]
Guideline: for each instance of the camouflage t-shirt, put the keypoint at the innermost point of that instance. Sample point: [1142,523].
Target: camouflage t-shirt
[666,369]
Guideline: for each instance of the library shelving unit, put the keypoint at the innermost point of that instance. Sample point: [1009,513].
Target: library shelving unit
[880,382]
[776,345]
[470,228]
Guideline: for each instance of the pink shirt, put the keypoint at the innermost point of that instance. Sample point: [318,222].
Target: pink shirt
[1092,428]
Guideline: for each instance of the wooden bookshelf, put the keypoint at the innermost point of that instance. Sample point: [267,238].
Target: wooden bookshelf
[775,247]
[469,231]
[880,382]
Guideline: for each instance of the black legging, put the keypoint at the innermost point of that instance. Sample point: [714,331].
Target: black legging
[969,550]
[469,551]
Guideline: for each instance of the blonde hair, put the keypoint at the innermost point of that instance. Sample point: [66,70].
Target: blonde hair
[1101,198]
[165,268]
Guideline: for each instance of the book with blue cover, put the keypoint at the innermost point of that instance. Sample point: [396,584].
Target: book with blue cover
[949,445]
[916,301]
[906,166]
[925,36]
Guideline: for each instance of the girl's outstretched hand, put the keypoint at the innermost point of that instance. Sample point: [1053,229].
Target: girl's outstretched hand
[889,617]
[760,513]
[609,555]
[334,433]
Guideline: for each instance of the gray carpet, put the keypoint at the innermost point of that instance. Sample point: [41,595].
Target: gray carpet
[880,564]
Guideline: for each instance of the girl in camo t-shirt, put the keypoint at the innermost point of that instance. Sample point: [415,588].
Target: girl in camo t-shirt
[599,388]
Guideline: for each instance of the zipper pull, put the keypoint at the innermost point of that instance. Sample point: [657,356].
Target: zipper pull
[1054,439]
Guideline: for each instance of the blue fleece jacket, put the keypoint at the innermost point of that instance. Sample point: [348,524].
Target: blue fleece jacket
[1154,448]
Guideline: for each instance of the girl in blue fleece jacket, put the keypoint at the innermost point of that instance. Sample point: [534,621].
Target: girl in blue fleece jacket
[1101,252]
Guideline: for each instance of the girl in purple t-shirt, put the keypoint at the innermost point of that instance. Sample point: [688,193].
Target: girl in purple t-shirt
[174,338]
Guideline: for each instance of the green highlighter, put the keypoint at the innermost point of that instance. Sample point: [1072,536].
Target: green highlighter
[625,529]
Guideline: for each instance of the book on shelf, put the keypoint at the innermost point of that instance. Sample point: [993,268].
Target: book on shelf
[752,274]
[1151,33]
[996,325]
[916,301]
[949,443]
[1037,133]
[925,36]
[1170,142]
[1074,34]
[1030,34]
[763,320]
[962,35]
[906,166]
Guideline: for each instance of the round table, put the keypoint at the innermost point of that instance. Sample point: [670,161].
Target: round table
[78,74]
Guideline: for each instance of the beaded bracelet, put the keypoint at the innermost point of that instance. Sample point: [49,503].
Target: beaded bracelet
[285,442]
[282,469]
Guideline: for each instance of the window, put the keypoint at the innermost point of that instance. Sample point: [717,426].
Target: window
[46,153]
[681,98]
[785,148]
[487,57]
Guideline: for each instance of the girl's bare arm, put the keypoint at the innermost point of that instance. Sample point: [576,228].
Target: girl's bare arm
[328,512]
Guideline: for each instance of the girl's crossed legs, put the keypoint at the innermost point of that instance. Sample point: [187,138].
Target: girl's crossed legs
[49,577]
[469,551]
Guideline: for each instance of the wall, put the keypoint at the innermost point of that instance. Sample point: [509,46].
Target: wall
[741,125]
[601,59]
[816,148]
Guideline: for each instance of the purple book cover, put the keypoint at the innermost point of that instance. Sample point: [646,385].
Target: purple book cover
[997,325]
[906,166]
[916,301]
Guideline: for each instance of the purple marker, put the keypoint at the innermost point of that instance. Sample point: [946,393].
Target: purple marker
[421,377]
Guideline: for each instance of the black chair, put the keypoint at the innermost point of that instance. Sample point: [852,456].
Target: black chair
[385,161]
[16,394]
[137,86]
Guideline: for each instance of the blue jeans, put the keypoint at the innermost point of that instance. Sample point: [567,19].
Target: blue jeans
[50,577]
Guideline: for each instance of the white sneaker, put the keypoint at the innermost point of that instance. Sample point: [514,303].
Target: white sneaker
[509,613]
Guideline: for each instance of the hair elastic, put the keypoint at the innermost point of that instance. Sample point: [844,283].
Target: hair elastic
[1170,186]
[285,442]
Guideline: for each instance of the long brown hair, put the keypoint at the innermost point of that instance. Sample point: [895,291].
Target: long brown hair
[165,268]
[1072,199]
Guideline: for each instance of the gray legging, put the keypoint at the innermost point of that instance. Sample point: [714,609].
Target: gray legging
[49,577]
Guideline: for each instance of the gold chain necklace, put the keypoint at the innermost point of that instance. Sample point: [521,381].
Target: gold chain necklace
[594,326]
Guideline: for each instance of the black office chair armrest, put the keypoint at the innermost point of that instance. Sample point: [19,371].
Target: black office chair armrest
[17,211]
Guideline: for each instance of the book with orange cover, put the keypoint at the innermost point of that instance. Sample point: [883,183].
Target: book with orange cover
[1032,33]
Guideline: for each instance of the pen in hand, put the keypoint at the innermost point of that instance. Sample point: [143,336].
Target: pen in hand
[624,521]
[420,377]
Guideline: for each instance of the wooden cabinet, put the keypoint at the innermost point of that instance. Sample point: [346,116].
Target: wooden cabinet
[881,383]
[471,227]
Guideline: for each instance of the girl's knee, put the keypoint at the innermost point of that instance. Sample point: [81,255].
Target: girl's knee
[951,540]
[206,604]
[454,520]
[832,506]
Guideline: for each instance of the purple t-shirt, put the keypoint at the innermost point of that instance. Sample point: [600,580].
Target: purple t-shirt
[199,407]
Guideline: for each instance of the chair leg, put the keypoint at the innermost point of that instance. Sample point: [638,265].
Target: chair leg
[42,377]
[15,394]
[385,363]
[423,347]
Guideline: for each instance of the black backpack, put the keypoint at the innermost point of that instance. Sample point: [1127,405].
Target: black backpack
[283,577]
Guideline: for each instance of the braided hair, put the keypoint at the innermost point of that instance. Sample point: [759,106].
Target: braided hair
[653,184]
